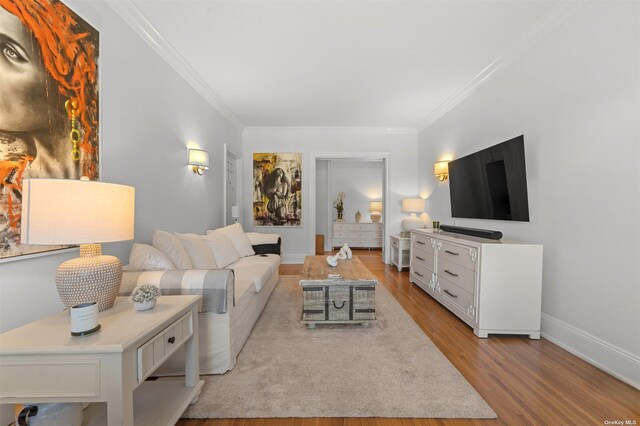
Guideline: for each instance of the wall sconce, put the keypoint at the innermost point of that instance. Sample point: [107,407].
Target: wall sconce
[441,170]
[198,160]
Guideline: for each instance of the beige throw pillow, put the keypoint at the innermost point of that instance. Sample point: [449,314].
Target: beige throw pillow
[238,238]
[170,245]
[198,251]
[143,257]
[221,249]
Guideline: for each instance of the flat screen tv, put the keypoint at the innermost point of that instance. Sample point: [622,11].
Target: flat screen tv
[491,184]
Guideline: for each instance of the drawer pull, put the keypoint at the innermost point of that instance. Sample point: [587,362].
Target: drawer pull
[450,273]
[420,242]
[341,306]
[452,252]
[451,294]
[420,258]
[418,274]
[172,340]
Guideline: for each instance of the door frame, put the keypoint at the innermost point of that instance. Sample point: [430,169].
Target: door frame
[336,155]
[229,153]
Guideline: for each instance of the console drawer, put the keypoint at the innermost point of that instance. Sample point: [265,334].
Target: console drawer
[461,255]
[462,277]
[422,259]
[163,345]
[462,300]
[421,242]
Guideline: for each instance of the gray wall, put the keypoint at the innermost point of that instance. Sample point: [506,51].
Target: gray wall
[148,115]
[575,98]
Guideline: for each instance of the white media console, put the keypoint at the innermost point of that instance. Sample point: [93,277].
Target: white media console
[493,286]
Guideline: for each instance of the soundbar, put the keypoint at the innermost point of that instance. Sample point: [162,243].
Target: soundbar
[482,233]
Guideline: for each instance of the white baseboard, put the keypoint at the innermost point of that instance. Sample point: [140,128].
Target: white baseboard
[292,258]
[612,359]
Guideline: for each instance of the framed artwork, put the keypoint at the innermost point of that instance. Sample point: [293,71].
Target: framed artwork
[277,189]
[49,98]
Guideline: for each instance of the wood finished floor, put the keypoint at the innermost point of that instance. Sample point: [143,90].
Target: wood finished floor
[526,382]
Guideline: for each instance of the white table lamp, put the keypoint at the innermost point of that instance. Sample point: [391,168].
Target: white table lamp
[63,211]
[413,206]
[235,213]
[375,207]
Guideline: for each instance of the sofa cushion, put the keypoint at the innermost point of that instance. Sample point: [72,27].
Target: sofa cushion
[241,287]
[238,238]
[258,274]
[170,245]
[198,251]
[221,249]
[272,260]
[144,257]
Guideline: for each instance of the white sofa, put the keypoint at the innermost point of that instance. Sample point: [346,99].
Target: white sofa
[247,284]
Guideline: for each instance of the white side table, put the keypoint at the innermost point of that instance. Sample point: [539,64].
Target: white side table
[41,362]
[400,248]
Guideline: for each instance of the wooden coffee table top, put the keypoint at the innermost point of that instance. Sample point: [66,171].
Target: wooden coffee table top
[353,272]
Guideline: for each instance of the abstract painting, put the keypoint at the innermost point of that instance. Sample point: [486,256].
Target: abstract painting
[49,120]
[277,189]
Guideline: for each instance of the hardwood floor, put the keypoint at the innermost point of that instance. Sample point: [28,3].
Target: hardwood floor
[526,382]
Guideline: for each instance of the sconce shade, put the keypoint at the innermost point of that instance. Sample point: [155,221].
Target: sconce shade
[441,170]
[198,160]
[413,205]
[64,211]
[375,206]
[235,212]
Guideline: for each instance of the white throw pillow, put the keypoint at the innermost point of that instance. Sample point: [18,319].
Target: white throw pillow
[143,257]
[198,251]
[238,238]
[170,245]
[221,248]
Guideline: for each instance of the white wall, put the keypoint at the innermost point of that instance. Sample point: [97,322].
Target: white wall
[148,114]
[403,178]
[575,97]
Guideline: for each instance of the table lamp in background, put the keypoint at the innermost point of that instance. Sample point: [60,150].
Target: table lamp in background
[375,207]
[64,211]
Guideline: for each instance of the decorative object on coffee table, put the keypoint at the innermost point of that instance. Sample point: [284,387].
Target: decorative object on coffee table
[144,297]
[341,295]
[375,207]
[61,211]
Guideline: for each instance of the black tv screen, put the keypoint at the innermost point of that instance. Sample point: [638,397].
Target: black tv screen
[491,184]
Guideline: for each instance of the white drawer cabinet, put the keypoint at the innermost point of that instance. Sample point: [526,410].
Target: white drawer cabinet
[493,286]
[357,235]
[41,362]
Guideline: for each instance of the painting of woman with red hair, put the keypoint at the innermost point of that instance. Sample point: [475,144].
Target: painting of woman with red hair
[48,104]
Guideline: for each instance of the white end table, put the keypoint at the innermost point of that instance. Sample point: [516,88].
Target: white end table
[400,249]
[41,362]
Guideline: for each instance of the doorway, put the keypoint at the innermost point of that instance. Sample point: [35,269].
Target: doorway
[231,185]
[363,177]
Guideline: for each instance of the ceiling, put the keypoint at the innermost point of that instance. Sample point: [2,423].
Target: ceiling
[339,63]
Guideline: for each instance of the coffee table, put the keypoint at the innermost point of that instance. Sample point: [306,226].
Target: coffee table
[349,298]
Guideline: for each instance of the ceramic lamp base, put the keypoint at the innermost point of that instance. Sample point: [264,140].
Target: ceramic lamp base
[92,277]
[376,217]
[412,222]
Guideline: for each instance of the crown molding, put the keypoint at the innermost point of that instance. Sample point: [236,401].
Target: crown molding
[351,130]
[139,23]
[537,32]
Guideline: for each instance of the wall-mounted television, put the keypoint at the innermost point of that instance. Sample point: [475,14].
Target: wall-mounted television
[491,184]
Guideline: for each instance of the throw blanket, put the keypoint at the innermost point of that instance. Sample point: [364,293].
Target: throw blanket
[214,285]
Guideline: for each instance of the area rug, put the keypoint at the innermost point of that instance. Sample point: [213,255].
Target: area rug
[390,369]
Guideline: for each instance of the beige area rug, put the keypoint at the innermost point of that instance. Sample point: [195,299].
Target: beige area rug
[390,369]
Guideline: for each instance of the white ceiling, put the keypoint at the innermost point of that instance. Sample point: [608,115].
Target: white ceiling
[339,63]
